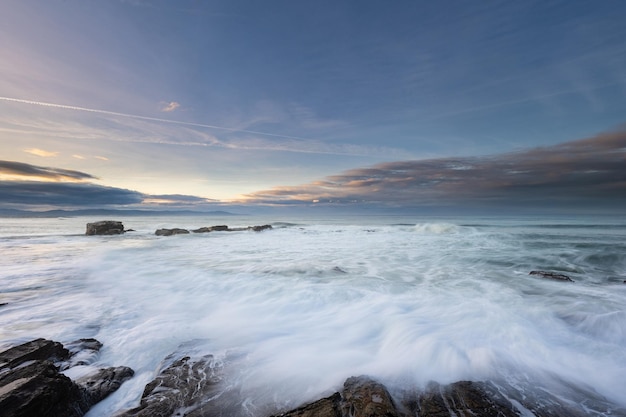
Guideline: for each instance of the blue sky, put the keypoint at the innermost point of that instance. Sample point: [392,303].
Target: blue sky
[214,102]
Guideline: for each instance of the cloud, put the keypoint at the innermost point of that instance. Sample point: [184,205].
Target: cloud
[585,172]
[176,200]
[170,107]
[41,152]
[46,194]
[23,171]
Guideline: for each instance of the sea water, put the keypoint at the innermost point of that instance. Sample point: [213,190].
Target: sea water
[297,309]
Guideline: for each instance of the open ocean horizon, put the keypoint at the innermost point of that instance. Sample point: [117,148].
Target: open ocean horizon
[301,307]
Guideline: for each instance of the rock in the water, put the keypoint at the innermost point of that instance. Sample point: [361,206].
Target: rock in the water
[105,227]
[31,384]
[98,385]
[462,398]
[192,384]
[261,228]
[361,397]
[170,232]
[551,275]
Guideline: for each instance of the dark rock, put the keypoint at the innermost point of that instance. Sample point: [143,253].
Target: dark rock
[98,385]
[360,397]
[192,384]
[261,228]
[326,407]
[82,352]
[38,389]
[170,232]
[462,398]
[38,349]
[551,275]
[364,397]
[31,384]
[220,228]
[105,227]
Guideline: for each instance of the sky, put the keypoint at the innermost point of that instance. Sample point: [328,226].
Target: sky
[239,103]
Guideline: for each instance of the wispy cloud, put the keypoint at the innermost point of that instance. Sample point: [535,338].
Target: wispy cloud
[170,107]
[23,171]
[590,171]
[41,152]
[104,125]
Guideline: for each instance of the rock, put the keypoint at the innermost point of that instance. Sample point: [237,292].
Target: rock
[31,384]
[38,389]
[361,397]
[462,398]
[38,349]
[223,228]
[211,229]
[364,397]
[190,384]
[98,385]
[326,407]
[170,232]
[261,228]
[551,275]
[105,227]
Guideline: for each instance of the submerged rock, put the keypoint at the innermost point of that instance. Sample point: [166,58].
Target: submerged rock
[551,275]
[32,385]
[105,227]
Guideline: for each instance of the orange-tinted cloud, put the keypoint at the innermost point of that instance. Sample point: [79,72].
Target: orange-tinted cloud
[41,152]
[582,171]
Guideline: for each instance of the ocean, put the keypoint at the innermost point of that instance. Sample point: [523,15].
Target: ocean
[299,308]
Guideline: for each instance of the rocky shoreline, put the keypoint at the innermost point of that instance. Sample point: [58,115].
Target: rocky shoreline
[32,383]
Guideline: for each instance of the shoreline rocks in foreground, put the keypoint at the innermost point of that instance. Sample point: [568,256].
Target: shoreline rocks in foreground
[32,382]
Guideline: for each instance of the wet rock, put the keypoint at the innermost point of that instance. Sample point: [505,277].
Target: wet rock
[364,397]
[38,349]
[97,386]
[170,232]
[31,384]
[361,397]
[462,398]
[189,384]
[326,407]
[261,228]
[105,227]
[551,275]
[220,228]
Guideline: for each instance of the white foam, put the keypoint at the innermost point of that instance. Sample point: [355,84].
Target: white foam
[305,307]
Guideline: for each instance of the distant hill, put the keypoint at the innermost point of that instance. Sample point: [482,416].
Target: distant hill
[110,212]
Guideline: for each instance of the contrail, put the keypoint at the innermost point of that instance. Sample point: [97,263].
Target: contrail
[153,119]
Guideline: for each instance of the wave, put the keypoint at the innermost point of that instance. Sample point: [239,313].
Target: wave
[437,228]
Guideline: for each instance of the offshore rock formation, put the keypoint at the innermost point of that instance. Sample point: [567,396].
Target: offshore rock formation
[31,383]
[551,275]
[105,227]
[219,228]
[170,232]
